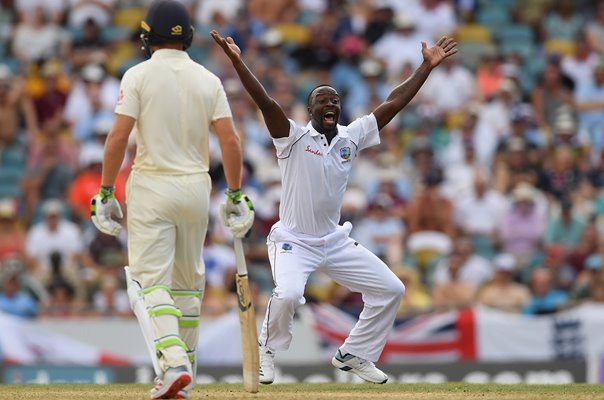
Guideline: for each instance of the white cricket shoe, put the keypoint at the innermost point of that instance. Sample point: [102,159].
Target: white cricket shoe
[267,365]
[363,368]
[175,379]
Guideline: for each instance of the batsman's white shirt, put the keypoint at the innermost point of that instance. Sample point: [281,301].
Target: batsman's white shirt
[314,173]
[174,100]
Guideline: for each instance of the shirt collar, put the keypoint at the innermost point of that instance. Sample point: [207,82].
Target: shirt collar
[169,53]
[342,130]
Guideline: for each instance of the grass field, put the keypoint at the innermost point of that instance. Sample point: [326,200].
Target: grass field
[447,391]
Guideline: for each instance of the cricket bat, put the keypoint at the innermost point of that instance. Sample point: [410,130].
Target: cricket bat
[247,319]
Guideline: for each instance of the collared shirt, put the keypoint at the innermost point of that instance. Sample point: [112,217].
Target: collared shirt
[174,100]
[314,173]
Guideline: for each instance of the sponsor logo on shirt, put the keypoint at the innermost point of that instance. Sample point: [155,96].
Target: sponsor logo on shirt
[286,248]
[315,152]
[120,97]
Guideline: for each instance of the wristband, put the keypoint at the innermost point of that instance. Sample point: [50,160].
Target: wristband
[234,195]
[107,192]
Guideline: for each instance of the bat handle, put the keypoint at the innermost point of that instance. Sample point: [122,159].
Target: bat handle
[239,257]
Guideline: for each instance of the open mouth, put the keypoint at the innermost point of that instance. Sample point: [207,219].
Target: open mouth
[329,117]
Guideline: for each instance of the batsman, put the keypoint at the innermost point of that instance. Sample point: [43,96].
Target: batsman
[170,103]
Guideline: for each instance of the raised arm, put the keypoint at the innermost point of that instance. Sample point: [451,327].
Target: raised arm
[403,93]
[274,117]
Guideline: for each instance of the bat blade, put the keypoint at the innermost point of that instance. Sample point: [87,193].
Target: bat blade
[247,320]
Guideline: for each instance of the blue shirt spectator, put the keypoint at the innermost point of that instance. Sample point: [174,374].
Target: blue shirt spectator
[544,299]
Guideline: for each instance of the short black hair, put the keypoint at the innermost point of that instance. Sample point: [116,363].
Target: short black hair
[315,88]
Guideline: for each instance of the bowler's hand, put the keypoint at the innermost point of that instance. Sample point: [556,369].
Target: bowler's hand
[237,213]
[101,207]
[444,48]
[228,46]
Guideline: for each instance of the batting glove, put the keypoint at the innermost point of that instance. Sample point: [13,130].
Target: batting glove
[101,207]
[237,213]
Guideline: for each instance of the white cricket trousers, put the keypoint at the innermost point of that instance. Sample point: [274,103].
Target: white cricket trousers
[167,225]
[294,257]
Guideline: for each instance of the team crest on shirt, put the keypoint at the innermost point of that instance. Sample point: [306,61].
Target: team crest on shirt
[286,248]
[345,153]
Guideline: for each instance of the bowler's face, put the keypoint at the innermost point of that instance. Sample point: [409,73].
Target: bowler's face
[324,109]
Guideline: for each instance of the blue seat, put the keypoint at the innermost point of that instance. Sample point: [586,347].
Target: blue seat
[493,18]
[525,49]
[514,33]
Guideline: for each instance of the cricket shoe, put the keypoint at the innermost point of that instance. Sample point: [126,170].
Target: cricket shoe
[363,368]
[267,365]
[175,379]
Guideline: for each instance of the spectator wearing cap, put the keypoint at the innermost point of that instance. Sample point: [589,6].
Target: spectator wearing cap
[589,98]
[12,236]
[520,130]
[545,299]
[14,297]
[55,234]
[592,273]
[434,17]
[49,100]
[502,292]
[93,91]
[523,225]
[399,46]
[562,23]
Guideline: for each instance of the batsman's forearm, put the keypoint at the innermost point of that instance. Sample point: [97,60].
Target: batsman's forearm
[115,149]
[232,159]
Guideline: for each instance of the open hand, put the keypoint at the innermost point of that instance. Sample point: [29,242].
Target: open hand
[228,46]
[444,48]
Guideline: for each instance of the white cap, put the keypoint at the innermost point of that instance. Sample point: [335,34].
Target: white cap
[504,262]
[93,73]
[52,207]
[91,154]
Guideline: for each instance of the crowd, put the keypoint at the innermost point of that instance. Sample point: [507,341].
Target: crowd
[487,189]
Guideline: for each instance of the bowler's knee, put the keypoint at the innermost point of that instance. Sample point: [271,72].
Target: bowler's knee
[395,289]
[291,296]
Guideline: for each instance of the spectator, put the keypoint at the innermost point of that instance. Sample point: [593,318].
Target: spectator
[503,292]
[382,232]
[523,225]
[15,103]
[595,30]
[544,298]
[589,98]
[479,215]
[562,176]
[448,89]
[468,267]
[562,23]
[579,66]
[399,47]
[55,234]
[548,97]
[453,292]
[111,300]
[12,236]
[565,229]
[431,224]
[14,299]
[592,274]
[90,47]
